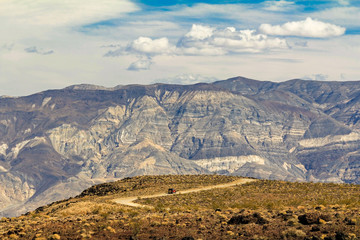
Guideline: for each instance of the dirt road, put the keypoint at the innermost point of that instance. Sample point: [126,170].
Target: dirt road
[129,201]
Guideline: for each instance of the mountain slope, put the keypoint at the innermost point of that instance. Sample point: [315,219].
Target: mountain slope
[56,143]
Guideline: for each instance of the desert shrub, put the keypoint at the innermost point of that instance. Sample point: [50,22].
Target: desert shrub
[133,213]
[159,207]
[136,227]
[248,218]
[96,210]
[293,233]
[309,218]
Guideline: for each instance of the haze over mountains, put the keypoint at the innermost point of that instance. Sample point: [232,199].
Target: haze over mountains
[56,143]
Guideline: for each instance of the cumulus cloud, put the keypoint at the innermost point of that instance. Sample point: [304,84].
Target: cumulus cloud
[200,41]
[38,51]
[306,28]
[203,40]
[141,64]
[144,46]
[148,46]
[279,6]
[200,32]
[186,79]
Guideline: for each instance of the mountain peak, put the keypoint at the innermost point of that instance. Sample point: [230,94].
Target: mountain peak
[88,87]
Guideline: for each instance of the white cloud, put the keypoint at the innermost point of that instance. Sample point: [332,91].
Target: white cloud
[144,46]
[141,64]
[279,6]
[344,2]
[186,79]
[345,15]
[306,28]
[148,46]
[66,26]
[200,32]
[202,40]
[63,12]
[197,42]
[247,41]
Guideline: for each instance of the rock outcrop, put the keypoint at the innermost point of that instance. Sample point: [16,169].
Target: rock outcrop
[56,143]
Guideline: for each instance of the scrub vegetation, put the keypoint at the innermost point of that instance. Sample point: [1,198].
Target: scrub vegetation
[262,209]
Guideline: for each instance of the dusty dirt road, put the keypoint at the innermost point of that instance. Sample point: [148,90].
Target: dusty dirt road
[129,201]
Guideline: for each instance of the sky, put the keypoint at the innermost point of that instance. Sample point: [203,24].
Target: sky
[53,44]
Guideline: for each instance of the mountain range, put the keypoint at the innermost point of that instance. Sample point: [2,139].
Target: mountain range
[56,143]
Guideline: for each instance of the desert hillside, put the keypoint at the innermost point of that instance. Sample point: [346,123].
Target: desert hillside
[259,209]
[56,143]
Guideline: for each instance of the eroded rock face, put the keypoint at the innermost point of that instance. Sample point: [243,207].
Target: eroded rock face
[56,143]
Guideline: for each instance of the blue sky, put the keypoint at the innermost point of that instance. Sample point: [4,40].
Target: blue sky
[53,44]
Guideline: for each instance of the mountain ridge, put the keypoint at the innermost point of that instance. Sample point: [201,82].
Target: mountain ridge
[55,143]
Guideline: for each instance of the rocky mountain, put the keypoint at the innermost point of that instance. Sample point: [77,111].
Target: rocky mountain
[56,143]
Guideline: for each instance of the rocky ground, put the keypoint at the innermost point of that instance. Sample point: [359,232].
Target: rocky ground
[261,209]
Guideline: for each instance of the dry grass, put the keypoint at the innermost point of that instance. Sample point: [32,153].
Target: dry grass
[257,210]
[145,185]
[266,194]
